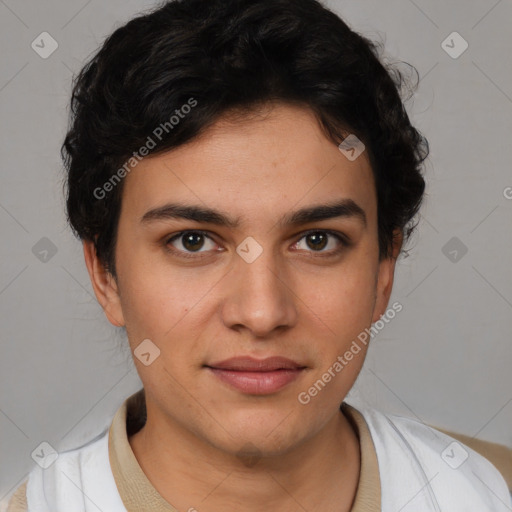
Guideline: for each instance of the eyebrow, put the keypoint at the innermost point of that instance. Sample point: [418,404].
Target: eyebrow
[342,208]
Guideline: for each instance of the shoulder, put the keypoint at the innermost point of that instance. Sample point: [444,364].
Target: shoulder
[61,482]
[47,475]
[71,460]
[423,468]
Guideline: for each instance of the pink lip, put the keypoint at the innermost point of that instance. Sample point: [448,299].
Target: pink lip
[257,376]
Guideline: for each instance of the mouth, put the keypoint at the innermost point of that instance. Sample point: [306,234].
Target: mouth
[257,376]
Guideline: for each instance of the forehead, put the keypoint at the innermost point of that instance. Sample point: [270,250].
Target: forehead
[272,160]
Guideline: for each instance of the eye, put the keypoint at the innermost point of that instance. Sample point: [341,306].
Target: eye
[189,242]
[318,240]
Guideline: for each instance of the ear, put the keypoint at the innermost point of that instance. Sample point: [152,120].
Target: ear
[104,285]
[386,276]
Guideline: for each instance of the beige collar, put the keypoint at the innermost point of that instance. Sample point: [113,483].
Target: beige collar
[138,495]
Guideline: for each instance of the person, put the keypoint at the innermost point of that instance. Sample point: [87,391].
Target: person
[243,176]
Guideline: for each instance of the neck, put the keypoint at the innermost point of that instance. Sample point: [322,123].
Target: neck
[320,474]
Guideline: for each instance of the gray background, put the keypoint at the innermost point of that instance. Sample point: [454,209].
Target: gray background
[446,357]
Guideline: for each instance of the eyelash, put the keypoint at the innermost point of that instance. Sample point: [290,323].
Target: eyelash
[344,243]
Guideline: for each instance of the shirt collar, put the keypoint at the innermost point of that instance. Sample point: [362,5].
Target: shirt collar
[139,495]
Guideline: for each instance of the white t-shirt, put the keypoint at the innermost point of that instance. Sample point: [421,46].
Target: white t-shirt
[420,469]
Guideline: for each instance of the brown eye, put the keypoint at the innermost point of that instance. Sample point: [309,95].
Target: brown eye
[193,241]
[187,243]
[317,241]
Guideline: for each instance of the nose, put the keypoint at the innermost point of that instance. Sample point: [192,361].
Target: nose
[259,297]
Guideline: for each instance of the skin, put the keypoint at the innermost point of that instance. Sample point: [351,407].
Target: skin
[290,301]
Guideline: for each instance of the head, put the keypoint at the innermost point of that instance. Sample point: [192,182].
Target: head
[220,217]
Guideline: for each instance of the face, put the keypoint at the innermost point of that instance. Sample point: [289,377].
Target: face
[250,280]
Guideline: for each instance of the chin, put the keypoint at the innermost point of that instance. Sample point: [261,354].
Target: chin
[261,436]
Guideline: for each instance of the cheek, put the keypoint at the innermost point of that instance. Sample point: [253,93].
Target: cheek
[152,305]
[149,288]
[168,306]
[339,312]
[344,299]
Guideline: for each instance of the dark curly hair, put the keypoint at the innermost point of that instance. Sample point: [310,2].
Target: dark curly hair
[233,56]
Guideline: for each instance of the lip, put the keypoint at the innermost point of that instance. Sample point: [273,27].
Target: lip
[257,376]
[251,364]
